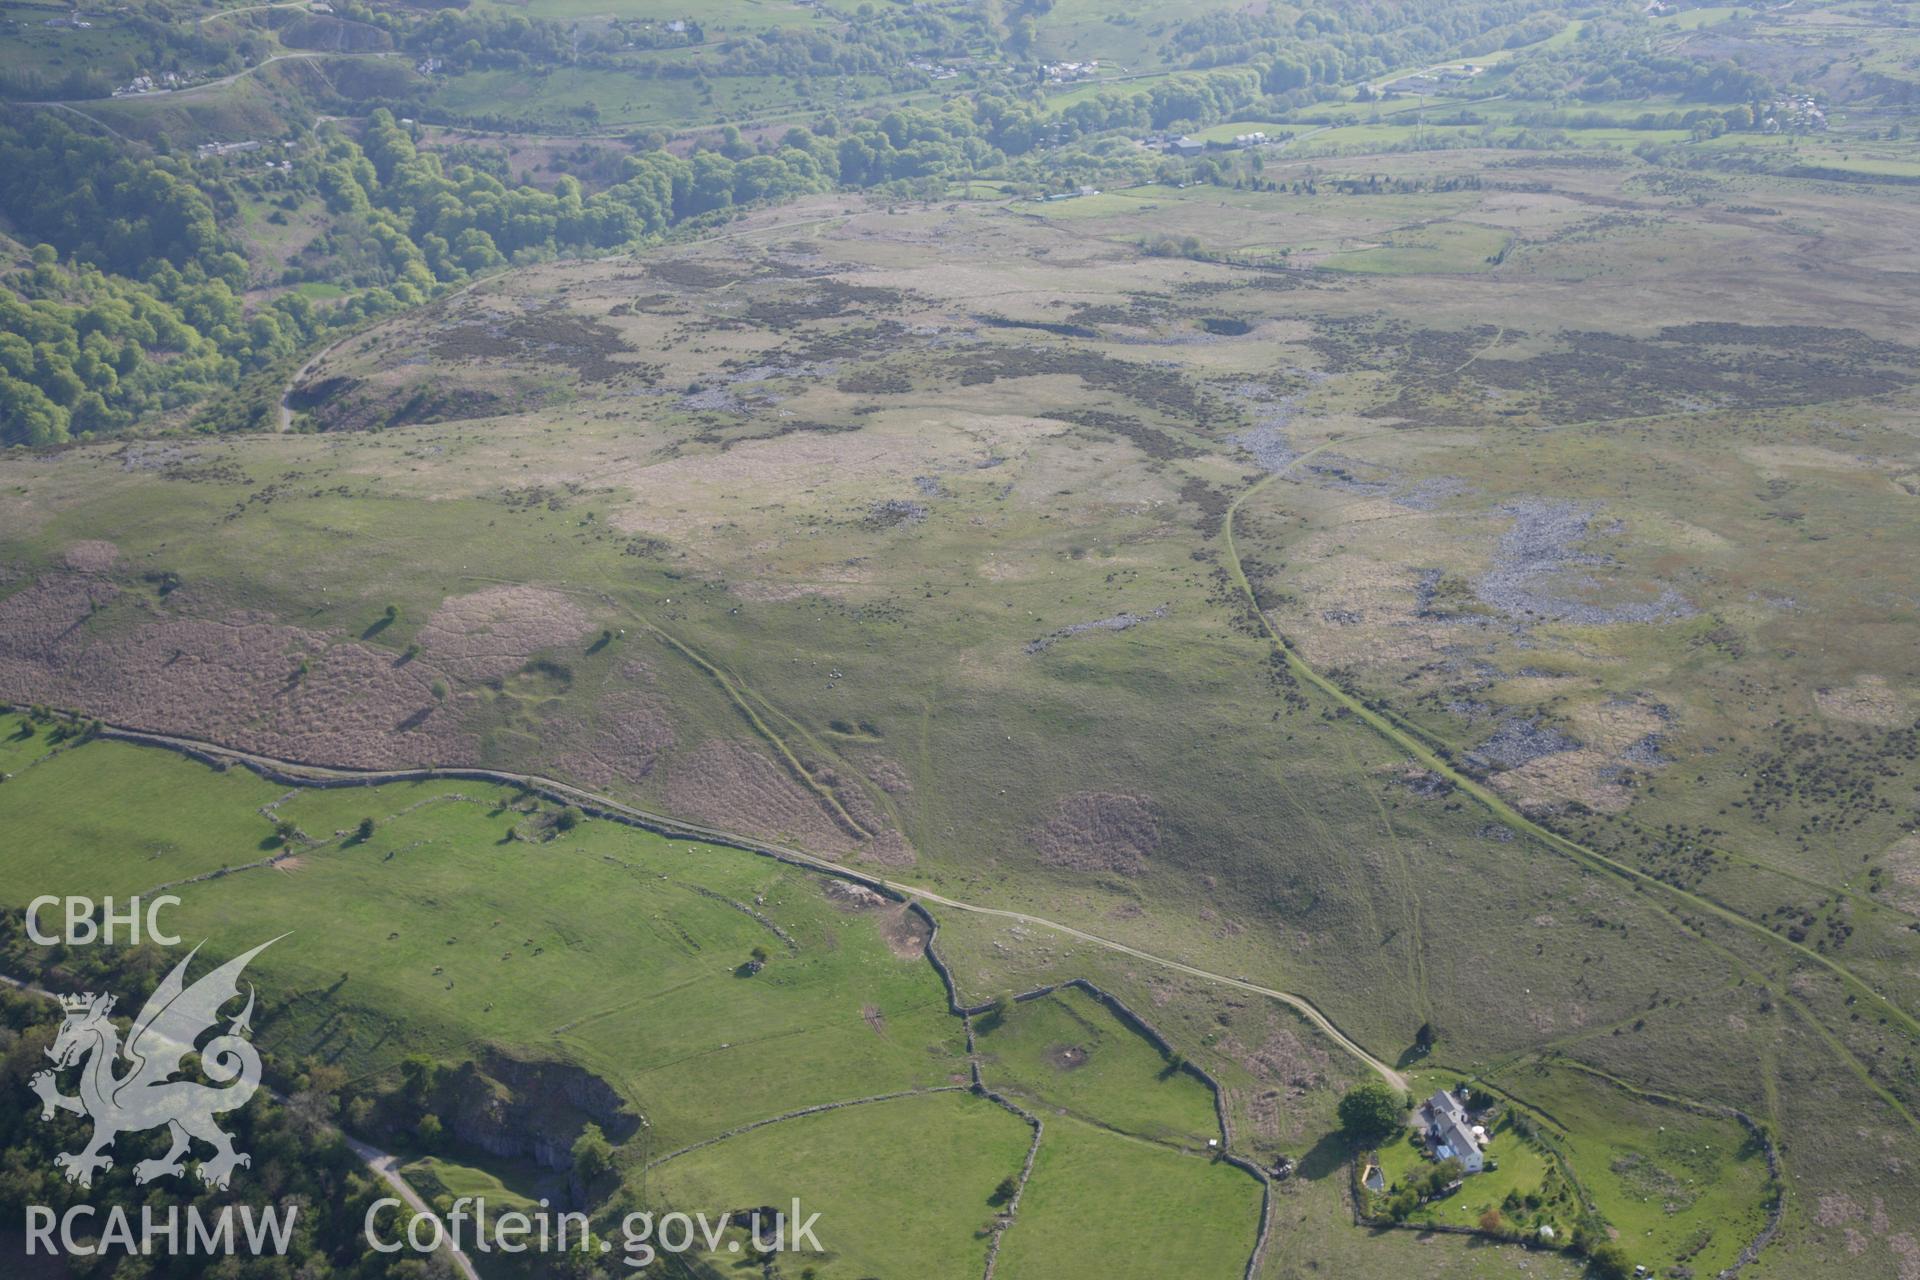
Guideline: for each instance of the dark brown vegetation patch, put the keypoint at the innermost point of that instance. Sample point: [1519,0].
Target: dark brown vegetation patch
[1281,1058]
[894,512]
[1158,388]
[880,841]
[493,632]
[883,845]
[729,784]
[309,396]
[631,730]
[691,273]
[36,620]
[1349,344]
[239,680]
[1151,441]
[551,335]
[1212,503]
[363,408]
[847,342]
[1598,375]
[888,774]
[1056,327]
[1142,309]
[770,429]
[92,555]
[1445,377]
[876,382]
[1099,831]
[821,300]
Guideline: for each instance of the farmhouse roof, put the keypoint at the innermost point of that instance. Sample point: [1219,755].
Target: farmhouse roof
[1456,1137]
[1443,1106]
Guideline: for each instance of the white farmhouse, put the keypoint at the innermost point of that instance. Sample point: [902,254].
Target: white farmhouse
[1448,1132]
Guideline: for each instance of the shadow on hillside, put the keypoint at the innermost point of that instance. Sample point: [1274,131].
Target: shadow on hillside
[1327,1156]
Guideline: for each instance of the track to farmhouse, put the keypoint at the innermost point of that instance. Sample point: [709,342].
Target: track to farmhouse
[297,772]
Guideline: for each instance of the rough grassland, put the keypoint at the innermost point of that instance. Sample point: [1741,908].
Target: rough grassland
[903,536]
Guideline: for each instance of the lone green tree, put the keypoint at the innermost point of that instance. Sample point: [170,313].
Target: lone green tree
[1370,1111]
[592,1155]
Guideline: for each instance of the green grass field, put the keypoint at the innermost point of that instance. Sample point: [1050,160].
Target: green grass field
[901,1187]
[1066,1053]
[1681,1188]
[614,99]
[461,934]
[1433,248]
[618,946]
[166,819]
[719,16]
[452,912]
[1095,1195]
[21,743]
[620,950]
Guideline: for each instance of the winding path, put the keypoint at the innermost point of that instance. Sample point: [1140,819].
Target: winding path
[1382,722]
[1388,726]
[1304,1006]
[296,772]
[386,1166]
[1670,897]
[285,423]
[204,85]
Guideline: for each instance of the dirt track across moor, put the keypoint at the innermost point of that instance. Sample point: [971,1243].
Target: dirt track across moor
[297,772]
